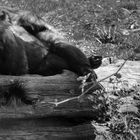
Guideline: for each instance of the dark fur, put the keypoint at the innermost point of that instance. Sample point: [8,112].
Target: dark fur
[75,59]
[48,57]
[95,61]
[15,91]
[13,59]
[18,57]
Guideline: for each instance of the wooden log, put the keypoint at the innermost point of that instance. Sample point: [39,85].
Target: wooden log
[42,129]
[46,90]
[46,121]
[60,87]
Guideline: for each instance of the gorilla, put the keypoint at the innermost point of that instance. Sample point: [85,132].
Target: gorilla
[29,45]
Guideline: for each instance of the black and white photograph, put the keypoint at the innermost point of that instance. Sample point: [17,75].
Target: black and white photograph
[69,70]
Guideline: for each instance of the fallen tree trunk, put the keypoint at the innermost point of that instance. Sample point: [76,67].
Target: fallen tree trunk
[46,90]
[60,87]
[70,120]
[43,129]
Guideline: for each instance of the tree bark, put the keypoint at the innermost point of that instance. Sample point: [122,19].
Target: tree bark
[46,90]
[70,120]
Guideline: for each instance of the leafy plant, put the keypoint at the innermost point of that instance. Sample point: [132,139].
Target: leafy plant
[123,109]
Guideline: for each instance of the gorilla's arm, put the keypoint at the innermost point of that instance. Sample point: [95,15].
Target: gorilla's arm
[52,65]
[74,57]
[31,23]
[13,58]
[31,27]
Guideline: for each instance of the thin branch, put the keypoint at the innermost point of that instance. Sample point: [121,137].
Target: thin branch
[98,40]
[109,32]
[66,100]
[133,134]
[134,30]
[95,83]
[121,66]
[105,30]
[130,31]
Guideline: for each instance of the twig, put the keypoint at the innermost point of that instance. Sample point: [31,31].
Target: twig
[95,83]
[66,100]
[130,31]
[133,134]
